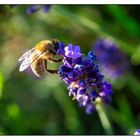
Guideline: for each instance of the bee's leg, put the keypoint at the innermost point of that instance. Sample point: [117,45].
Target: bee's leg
[54,60]
[50,71]
[45,64]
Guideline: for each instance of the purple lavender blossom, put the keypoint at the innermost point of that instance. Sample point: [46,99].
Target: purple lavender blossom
[81,73]
[72,51]
[113,62]
[34,8]
[137,133]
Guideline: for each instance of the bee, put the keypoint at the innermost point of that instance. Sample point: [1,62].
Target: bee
[38,57]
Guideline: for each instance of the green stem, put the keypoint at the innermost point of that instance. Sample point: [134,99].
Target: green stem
[104,119]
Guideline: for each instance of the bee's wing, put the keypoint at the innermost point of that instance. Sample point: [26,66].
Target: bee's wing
[26,55]
[29,60]
[25,64]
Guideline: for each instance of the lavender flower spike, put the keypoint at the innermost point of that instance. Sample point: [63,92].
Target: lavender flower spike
[81,74]
[113,62]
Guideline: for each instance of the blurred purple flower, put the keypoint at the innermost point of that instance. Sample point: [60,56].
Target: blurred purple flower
[113,62]
[137,132]
[34,8]
[29,9]
[47,8]
[81,73]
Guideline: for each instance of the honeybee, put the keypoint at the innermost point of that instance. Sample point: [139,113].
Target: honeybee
[38,56]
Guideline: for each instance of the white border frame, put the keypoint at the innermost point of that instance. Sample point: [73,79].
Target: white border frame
[70,2]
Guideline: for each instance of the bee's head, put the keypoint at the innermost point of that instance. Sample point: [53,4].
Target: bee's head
[55,44]
[50,48]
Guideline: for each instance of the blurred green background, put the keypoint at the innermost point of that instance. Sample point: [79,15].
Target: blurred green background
[42,106]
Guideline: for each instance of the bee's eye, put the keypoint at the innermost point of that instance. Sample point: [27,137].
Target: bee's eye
[55,44]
